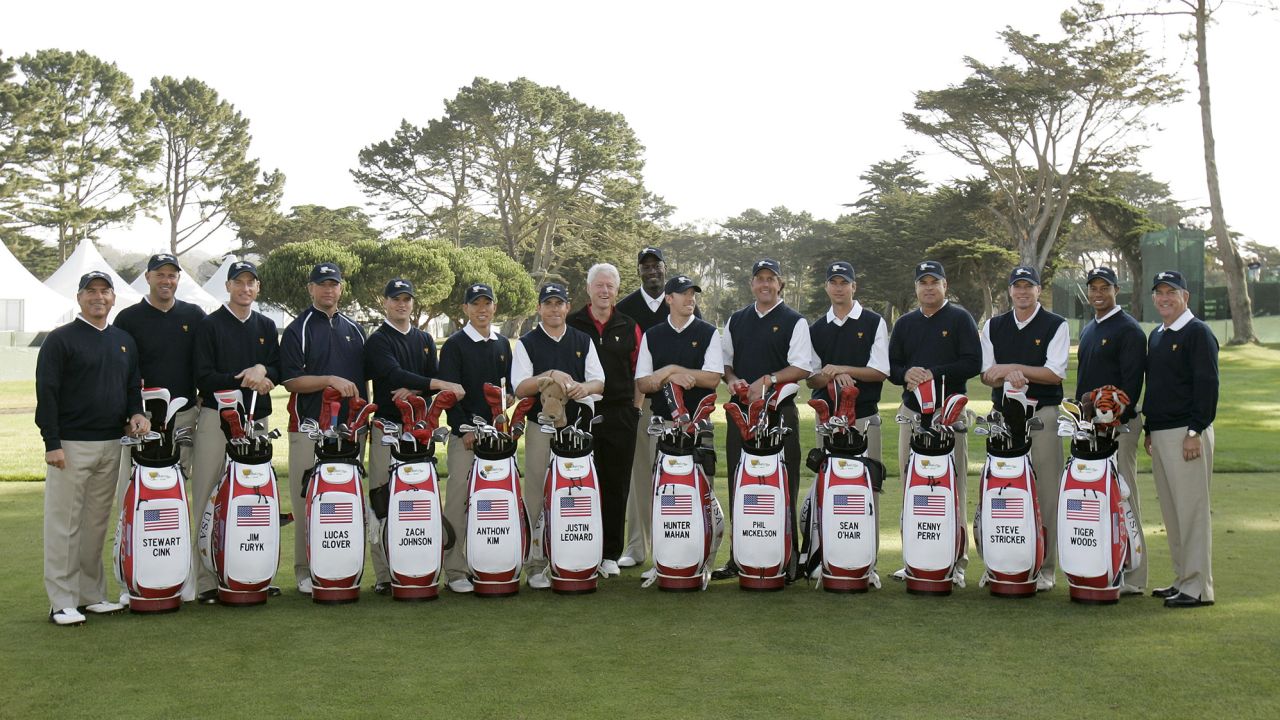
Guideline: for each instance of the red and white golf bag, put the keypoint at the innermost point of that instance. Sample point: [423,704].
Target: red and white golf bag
[335,502]
[414,531]
[1007,528]
[497,524]
[761,502]
[933,527]
[1097,532]
[240,529]
[572,529]
[839,513]
[688,523]
[152,544]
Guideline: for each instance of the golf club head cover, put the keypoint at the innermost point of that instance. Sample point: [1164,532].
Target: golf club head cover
[231,424]
[924,393]
[521,410]
[330,407]
[362,416]
[674,395]
[419,405]
[754,411]
[554,403]
[443,400]
[848,400]
[953,409]
[822,409]
[733,411]
[493,396]
[781,393]
[1109,403]
[406,413]
[705,408]
[741,390]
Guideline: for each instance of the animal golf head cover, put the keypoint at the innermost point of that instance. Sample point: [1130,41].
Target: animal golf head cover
[1109,403]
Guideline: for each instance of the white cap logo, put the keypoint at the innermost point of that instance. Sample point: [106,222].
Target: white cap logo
[475,288]
[326,269]
[924,266]
[835,268]
[400,283]
[1163,275]
[1022,271]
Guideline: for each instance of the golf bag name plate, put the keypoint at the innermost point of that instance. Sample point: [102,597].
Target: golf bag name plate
[335,530]
[240,532]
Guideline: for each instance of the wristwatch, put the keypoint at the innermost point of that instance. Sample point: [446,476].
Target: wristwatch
[773,379]
[1192,433]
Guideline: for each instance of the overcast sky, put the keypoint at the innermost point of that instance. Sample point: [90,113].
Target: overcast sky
[739,105]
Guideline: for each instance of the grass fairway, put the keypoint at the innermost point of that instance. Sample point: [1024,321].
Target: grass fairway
[632,652]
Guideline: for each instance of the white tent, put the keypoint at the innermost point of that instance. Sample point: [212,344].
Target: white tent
[188,290]
[66,281]
[216,286]
[26,305]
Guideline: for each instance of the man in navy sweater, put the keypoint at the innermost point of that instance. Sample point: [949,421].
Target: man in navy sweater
[472,357]
[937,341]
[235,348]
[567,356]
[321,348]
[766,344]
[1113,351]
[1028,349]
[164,329]
[400,359]
[1180,406]
[88,392]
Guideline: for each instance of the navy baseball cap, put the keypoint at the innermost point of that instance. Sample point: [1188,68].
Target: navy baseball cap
[159,260]
[477,291]
[679,284]
[766,264]
[552,290]
[842,269]
[645,252]
[1103,272]
[92,275]
[1024,272]
[398,287]
[241,266]
[1169,277]
[326,271]
[931,267]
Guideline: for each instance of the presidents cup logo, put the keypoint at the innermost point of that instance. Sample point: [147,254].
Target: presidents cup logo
[246,472]
[755,463]
[570,465]
[485,471]
[1081,467]
[329,468]
[153,474]
[926,463]
[1001,464]
[842,464]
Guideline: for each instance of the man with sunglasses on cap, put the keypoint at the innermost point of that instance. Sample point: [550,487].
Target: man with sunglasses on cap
[163,327]
[1113,351]
[472,357]
[766,344]
[321,348]
[235,348]
[1179,409]
[88,393]
[1028,349]
[936,341]
[568,357]
[400,359]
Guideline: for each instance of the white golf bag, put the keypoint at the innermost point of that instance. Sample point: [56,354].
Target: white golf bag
[152,550]
[497,524]
[572,529]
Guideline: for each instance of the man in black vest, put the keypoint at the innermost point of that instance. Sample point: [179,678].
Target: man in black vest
[617,341]
[164,329]
[684,350]
[1180,406]
[88,391]
[936,341]
[851,347]
[647,306]
[1113,351]
[1027,348]
[400,359]
[472,357]
[556,351]
[766,344]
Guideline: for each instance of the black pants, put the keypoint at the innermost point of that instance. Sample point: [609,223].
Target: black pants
[791,458]
[613,447]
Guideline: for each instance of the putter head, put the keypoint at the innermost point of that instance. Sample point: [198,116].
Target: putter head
[440,434]
[1035,423]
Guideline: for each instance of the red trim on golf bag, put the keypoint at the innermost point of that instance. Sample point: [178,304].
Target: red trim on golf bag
[1008,531]
[413,532]
[152,544]
[335,505]
[240,532]
[572,529]
[761,520]
[933,529]
[1093,539]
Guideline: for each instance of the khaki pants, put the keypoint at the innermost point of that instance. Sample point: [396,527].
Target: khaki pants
[959,455]
[640,499]
[379,475]
[537,458]
[184,418]
[77,509]
[456,490]
[302,457]
[1183,489]
[1047,462]
[1127,464]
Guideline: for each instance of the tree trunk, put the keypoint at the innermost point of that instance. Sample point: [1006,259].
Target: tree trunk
[1136,291]
[1232,265]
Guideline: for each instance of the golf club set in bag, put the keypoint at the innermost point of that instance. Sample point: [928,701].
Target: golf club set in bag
[239,538]
[839,513]
[761,501]
[1007,528]
[1098,537]
[152,550]
[933,525]
[497,536]
[688,523]
[413,531]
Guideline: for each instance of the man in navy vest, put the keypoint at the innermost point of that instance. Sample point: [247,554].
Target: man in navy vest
[936,341]
[566,355]
[1113,351]
[400,360]
[617,341]
[472,357]
[321,348]
[851,347]
[1180,406]
[765,344]
[1027,348]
